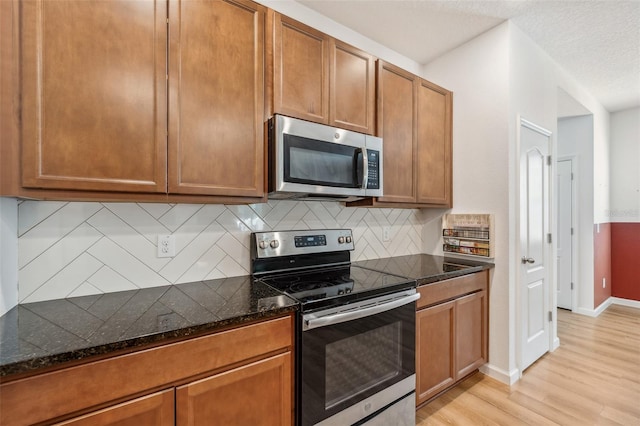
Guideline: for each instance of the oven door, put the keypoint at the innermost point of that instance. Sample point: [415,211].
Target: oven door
[357,359]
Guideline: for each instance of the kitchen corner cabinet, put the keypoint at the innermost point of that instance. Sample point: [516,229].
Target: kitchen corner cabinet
[137,101]
[434,161]
[415,121]
[235,377]
[317,78]
[451,333]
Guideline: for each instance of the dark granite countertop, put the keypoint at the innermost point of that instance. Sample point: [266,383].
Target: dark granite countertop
[46,334]
[425,268]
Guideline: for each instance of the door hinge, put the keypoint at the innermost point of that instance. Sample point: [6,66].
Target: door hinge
[549,238]
[571,231]
[550,316]
[571,286]
[571,176]
[548,160]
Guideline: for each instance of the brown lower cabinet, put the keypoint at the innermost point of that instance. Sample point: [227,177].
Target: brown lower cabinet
[155,409]
[235,377]
[451,332]
[265,383]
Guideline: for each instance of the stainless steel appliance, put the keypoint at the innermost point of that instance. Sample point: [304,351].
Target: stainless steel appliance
[314,161]
[355,338]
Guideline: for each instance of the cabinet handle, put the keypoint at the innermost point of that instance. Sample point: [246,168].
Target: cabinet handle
[528,260]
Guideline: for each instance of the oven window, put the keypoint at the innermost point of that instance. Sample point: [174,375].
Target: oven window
[344,363]
[315,162]
[358,363]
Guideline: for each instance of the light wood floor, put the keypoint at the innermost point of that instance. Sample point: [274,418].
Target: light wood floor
[593,378]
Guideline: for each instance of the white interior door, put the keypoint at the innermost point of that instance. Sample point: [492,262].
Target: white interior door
[534,248]
[565,234]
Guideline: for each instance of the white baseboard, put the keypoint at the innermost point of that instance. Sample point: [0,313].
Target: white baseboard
[506,377]
[594,312]
[625,302]
[556,344]
[604,305]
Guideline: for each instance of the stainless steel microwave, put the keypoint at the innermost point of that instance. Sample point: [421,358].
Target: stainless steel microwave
[314,161]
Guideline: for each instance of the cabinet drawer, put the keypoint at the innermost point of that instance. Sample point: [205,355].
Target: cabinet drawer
[77,388]
[446,290]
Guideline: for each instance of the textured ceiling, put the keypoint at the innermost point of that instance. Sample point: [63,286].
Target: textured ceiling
[596,41]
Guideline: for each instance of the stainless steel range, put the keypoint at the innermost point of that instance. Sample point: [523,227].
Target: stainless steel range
[355,339]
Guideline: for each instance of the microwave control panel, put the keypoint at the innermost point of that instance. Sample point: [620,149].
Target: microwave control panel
[373,158]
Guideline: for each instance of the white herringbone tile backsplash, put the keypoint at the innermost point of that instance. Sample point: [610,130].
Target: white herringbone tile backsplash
[70,249]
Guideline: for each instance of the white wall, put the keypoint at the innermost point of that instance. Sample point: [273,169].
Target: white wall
[477,73]
[495,78]
[625,166]
[575,138]
[8,254]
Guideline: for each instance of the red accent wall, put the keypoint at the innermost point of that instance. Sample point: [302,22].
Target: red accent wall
[625,260]
[602,263]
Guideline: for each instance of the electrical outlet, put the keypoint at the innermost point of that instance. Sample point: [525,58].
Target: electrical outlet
[604,282]
[385,234]
[166,246]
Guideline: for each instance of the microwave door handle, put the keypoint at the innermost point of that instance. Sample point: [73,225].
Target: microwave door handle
[365,168]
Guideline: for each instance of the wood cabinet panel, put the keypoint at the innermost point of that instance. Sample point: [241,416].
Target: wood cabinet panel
[100,382]
[216,132]
[414,118]
[396,124]
[352,83]
[435,369]
[452,323]
[94,95]
[156,409]
[470,333]
[301,70]
[253,394]
[434,145]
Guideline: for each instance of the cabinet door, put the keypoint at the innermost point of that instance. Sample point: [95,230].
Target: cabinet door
[255,394]
[434,145]
[470,331]
[156,409]
[435,369]
[396,113]
[94,95]
[300,70]
[352,83]
[216,98]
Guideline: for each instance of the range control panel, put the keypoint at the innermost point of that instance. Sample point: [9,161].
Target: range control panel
[286,243]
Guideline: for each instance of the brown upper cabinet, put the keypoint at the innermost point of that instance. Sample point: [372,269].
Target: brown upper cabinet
[105,116]
[433,168]
[216,101]
[414,120]
[318,78]
[94,95]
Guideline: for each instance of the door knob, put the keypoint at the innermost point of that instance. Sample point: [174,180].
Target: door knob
[528,260]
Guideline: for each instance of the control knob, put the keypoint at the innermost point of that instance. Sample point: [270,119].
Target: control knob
[349,239]
[340,240]
[274,244]
[263,244]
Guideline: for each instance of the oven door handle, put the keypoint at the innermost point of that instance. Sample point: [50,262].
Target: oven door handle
[310,322]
